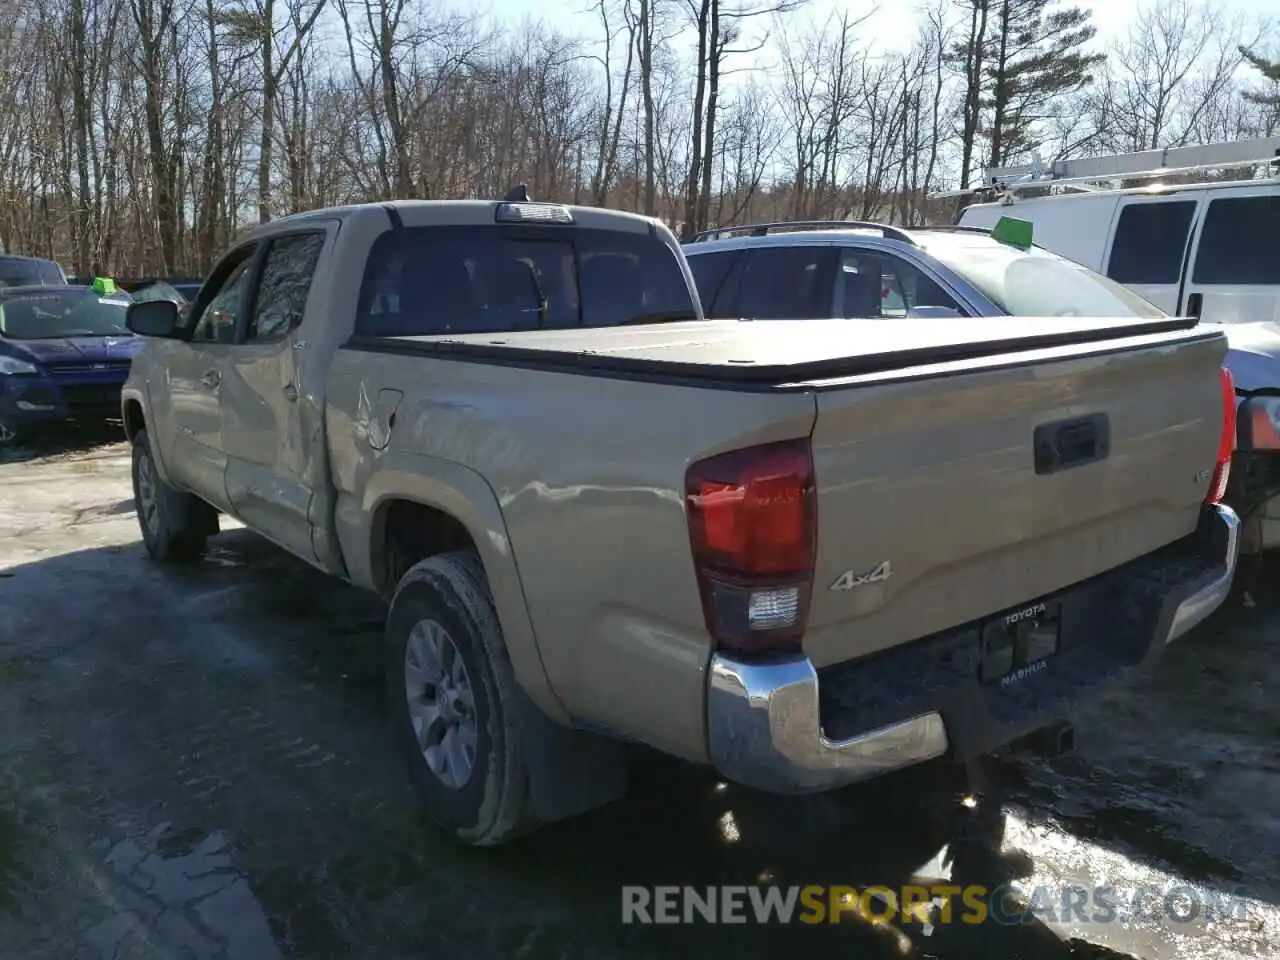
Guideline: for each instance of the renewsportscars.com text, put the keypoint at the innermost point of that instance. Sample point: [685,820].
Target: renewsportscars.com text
[928,904]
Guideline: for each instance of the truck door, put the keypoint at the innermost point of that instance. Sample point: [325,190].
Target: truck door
[1149,246]
[1235,272]
[269,453]
[191,442]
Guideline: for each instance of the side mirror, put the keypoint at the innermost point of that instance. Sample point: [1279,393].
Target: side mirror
[153,318]
[935,313]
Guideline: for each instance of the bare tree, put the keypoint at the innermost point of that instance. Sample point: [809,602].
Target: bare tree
[254,26]
[144,135]
[1178,59]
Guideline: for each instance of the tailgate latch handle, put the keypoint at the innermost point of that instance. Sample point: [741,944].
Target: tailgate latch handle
[1071,443]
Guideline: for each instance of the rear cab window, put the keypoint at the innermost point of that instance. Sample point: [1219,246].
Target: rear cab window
[422,281]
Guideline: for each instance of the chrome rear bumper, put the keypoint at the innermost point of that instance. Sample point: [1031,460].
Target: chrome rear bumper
[1220,534]
[764,723]
[765,731]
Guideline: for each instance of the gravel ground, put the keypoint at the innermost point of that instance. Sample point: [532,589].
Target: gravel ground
[196,764]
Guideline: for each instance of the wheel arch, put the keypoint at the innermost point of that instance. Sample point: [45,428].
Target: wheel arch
[135,414]
[420,505]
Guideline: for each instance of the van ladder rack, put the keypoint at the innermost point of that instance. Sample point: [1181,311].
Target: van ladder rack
[1147,164]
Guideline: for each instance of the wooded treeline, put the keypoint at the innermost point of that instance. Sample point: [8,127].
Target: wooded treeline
[140,136]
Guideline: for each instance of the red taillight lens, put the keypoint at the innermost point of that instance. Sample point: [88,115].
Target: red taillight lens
[753,526]
[1226,441]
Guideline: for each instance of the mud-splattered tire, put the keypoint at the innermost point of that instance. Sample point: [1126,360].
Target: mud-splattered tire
[443,604]
[175,526]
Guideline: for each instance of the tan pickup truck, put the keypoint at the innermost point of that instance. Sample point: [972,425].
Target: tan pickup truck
[804,554]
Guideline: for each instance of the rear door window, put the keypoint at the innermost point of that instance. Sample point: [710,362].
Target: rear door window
[786,283]
[424,281]
[1150,242]
[283,286]
[1240,242]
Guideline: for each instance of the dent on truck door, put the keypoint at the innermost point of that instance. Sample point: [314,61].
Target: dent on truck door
[262,424]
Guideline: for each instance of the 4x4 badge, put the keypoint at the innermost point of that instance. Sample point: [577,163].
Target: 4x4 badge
[849,579]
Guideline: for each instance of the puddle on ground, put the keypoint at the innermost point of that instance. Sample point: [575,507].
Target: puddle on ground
[178,893]
[1090,892]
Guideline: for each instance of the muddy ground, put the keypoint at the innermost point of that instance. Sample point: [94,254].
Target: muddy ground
[195,763]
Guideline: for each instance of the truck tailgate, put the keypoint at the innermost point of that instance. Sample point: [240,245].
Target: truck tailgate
[944,499]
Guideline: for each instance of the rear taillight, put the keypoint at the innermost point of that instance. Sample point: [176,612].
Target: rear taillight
[1226,441]
[753,527]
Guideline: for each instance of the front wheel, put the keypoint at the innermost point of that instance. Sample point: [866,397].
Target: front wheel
[175,525]
[453,696]
[11,435]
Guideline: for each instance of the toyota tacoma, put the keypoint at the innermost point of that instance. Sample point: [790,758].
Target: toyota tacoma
[803,554]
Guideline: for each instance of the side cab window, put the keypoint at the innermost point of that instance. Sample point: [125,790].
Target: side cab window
[223,299]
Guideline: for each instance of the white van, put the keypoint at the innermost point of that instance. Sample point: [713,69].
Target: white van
[1206,250]
[1209,250]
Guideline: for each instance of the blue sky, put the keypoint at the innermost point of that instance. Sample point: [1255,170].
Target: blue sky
[1112,17]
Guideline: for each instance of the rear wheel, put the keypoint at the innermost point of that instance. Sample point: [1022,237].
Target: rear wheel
[175,526]
[453,696]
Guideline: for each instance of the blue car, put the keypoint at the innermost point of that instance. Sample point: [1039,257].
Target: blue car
[64,354]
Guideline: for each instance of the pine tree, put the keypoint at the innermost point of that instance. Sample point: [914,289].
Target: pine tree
[1270,69]
[968,57]
[1036,54]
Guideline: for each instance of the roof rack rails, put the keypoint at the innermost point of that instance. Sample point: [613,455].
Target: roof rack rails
[954,228]
[763,229]
[1134,166]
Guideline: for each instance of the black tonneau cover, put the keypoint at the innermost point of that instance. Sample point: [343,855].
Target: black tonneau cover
[779,352]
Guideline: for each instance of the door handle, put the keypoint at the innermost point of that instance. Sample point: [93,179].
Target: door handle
[1195,305]
[290,392]
[211,379]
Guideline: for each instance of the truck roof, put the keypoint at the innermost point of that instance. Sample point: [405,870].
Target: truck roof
[460,213]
